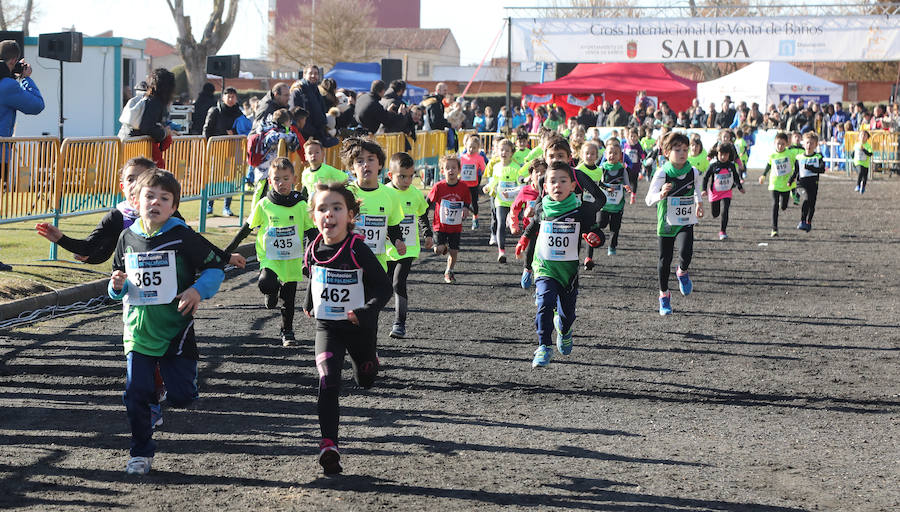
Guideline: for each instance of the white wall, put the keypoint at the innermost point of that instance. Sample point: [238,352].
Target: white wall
[91,105]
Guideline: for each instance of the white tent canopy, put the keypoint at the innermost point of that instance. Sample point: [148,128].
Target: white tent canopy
[766,83]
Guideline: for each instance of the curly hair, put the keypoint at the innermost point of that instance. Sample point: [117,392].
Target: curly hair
[162,85]
[352,147]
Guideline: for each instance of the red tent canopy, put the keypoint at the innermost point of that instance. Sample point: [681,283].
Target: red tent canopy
[618,81]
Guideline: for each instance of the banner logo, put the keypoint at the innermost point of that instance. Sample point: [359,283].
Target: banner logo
[632,49]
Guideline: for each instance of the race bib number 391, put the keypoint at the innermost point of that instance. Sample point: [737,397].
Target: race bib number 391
[373,229]
[152,279]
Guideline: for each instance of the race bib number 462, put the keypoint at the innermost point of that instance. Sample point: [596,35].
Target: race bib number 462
[336,292]
[152,279]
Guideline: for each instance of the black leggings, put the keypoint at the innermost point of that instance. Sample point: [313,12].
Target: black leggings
[473,193]
[778,197]
[269,284]
[614,221]
[399,271]
[862,176]
[724,204]
[334,339]
[501,212]
[633,178]
[810,191]
[685,242]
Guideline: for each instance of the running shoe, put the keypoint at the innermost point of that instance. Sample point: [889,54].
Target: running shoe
[449,278]
[631,201]
[862,190]
[542,356]
[138,465]
[610,251]
[527,279]
[563,341]
[796,197]
[474,223]
[493,240]
[501,257]
[808,226]
[287,338]
[773,234]
[856,189]
[330,457]
[398,331]
[209,209]
[801,226]
[588,264]
[684,283]
[723,235]
[665,305]
[227,212]
[156,416]
[271,300]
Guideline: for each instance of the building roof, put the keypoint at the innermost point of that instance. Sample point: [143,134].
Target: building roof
[156,48]
[411,38]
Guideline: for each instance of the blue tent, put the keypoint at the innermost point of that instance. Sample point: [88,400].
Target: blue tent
[360,75]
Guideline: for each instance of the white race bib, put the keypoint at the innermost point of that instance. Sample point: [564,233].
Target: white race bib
[336,292]
[152,278]
[680,211]
[408,228]
[558,241]
[587,197]
[859,155]
[507,191]
[468,173]
[451,212]
[723,182]
[806,173]
[283,243]
[373,230]
[782,166]
[633,155]
[613,194]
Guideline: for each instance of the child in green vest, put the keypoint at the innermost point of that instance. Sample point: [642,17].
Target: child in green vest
[615,183]
[675,190]
[783,166]
[318,171]
[862,155]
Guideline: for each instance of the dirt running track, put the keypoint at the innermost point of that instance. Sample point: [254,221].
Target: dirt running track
[774,387]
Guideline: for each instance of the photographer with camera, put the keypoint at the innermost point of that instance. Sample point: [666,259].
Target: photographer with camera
[17,93]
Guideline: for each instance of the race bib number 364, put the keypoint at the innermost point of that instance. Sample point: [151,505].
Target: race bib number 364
[152,279]
[680,211]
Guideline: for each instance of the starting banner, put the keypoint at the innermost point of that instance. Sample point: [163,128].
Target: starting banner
[840,38]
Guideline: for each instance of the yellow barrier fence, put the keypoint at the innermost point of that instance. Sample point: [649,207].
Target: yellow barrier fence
[28,177]
[138,146]
[89,168]
[185,158]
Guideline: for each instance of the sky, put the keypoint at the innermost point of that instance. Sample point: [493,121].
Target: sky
[474,23]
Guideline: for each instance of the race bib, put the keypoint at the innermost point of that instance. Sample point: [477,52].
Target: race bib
[860,155]
[468,173]
[531,203]
[558,241]
[587,197]
[152,278]
[282,243]
[806,173]
[632,155]
[408,228]
[660,160]
[680,211]
[451,212]
[723,182]
[507,191]
[373,230]
[782,166]
[613,194]
[336,292]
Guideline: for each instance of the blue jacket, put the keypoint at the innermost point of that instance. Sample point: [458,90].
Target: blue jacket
[24,97]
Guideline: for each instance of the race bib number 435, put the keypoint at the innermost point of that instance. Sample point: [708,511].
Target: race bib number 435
[152,279]
[283,243]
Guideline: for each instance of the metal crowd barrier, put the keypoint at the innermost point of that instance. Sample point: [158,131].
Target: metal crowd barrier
[28,178]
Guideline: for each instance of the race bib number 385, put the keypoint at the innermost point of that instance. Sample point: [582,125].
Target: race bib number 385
[152,279]
[558,241]
[336,292]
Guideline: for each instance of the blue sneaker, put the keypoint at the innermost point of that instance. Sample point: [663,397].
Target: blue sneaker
[527,279]
[474,223]
[227,212]
[610,251]
[542,356]
[156,417]
[665,305]
[209,210]
[685,284]
[563,341]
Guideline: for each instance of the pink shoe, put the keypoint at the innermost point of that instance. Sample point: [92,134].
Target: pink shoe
[329,457]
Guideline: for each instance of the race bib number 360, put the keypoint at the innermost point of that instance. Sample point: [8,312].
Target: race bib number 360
[373,229]
[336,292]
[558,241]
[680,211]
[152,279]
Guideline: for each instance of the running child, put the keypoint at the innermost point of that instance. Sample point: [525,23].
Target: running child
[590,157]
[347,288]
[318,171]
[615,183]
[783,166]
[282,217]
[524,206]
[522,149]
[380,214]
[742,146]
[506,181]
[449,198]
[810,164]
[697,155]
[719,179]
[155,279]
[472,169]
[656,157]
[726,136]
[636,154]
[414,206]
[675,190]
[862,157]
[488,178]
[560,223]
[797,149]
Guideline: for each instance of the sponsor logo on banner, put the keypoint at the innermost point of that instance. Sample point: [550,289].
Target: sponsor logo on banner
[787,48]
[631,49]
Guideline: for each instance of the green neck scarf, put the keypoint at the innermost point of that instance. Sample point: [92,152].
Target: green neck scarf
[672,172]
[553,209]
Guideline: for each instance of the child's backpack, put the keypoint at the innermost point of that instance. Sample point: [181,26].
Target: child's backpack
[256,149]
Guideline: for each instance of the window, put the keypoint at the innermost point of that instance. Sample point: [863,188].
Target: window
[424,68]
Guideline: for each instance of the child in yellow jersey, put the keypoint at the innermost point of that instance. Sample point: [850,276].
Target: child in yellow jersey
[486,178]
[414,206]
[380,214]
[318,171]
[506,181]
[783,166]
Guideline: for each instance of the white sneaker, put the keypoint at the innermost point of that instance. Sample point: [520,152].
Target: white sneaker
[138,465]
[493,240]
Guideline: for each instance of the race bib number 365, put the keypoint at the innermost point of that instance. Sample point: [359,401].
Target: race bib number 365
[336,292]
[558,241]
[152,279]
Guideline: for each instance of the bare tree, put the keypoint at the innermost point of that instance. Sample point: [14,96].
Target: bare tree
[194,53]
[336,31]
[14,14]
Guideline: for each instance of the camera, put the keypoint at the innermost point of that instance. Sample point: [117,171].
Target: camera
[19,68]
